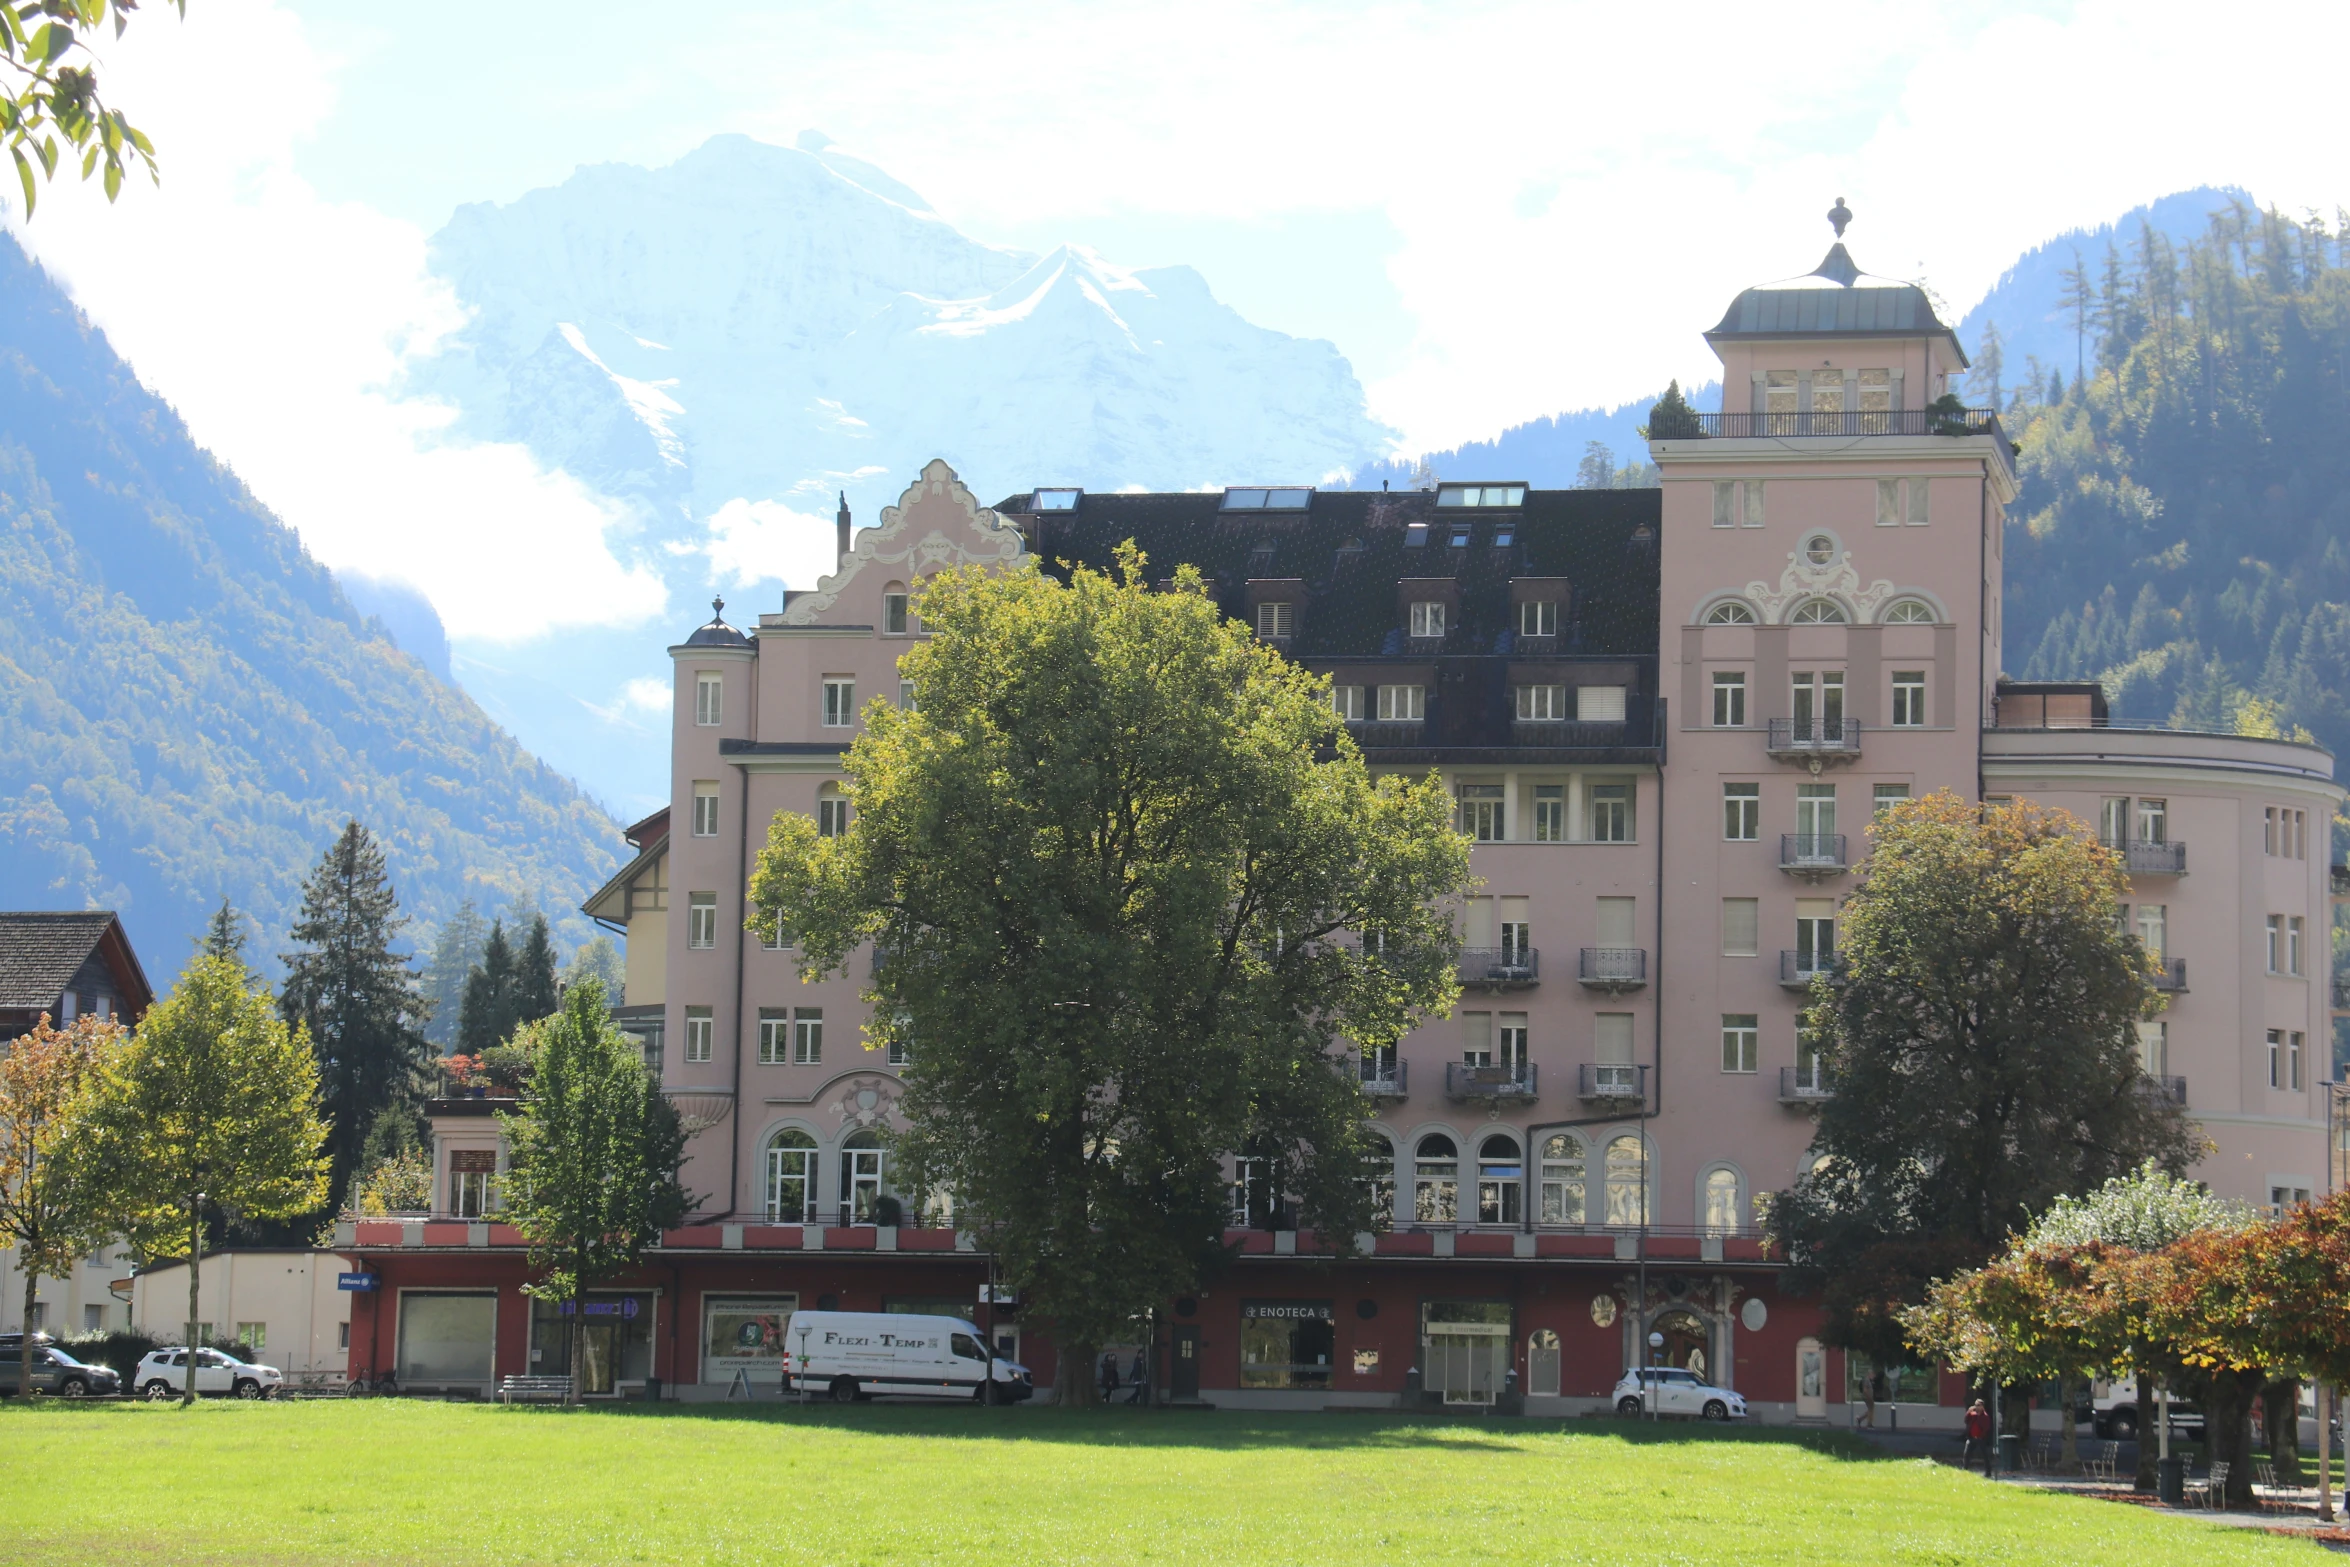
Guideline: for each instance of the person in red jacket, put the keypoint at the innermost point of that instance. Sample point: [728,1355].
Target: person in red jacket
[1978,1436]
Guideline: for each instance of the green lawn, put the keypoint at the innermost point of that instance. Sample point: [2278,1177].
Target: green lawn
[413,1483]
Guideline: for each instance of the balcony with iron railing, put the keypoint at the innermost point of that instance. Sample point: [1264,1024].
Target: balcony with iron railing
[1504,1084]
[1813,854]
[1611,1083]
[1825,423]
[1500,968]
[1804,1084]
[2170,1090]
[1612,969]
[1385,1080]
[1798,969]
[2171,977]
[2150,857]
[1813,739]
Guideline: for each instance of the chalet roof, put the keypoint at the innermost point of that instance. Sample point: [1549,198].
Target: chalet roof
[42,950]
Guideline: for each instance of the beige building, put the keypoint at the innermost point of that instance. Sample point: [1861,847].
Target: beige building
[281,1303]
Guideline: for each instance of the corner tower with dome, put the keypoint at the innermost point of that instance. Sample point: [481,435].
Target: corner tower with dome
[1666,717]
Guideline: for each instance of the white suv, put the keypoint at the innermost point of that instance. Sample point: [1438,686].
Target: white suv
[1667,1390]
[162,1374]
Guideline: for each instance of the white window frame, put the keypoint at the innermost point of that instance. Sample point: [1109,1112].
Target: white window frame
[709,698]
[701,921]
[705,820]
[1729,699]
[1538,617]
[1427,618]
[807,1036]
[896,617]
[1541,704]
[1550,813]
[1276,620]
[774,1036]
[1909,699]
[1741,1043]
[1741,812]
[1403,704]
[1611,812]
[840,702]
[701,1033]
[1347,703]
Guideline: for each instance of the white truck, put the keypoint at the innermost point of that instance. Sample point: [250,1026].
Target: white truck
[852,1355]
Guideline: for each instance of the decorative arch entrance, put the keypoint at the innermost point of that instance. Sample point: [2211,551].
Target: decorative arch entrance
[1688,1340]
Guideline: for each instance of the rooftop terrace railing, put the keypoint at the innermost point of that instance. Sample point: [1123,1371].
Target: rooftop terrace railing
[1840,422]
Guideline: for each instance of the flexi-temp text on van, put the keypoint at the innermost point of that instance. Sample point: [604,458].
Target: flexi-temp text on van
[849,1355]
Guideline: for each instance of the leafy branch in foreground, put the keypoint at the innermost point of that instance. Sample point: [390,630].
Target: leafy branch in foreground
[47,95]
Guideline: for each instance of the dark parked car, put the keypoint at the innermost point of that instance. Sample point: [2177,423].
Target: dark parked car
[54,1370]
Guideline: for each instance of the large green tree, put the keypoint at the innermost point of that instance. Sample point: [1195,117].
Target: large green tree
[1981,1036]
[1138,901]
[492,1006]
[593,1154]
[212,1109]
[49,1214]
[356,999]
[534,973]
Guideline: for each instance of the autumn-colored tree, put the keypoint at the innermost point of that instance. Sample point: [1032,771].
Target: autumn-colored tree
[49,1214]
[1981,1033]
[1138,900]
[212,1108]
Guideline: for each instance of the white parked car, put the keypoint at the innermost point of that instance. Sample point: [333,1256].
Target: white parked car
[852,1355]
[1668,1390]
[162,1375]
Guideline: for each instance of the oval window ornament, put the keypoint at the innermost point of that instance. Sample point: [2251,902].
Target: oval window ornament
[1603,1311]
[1819,549]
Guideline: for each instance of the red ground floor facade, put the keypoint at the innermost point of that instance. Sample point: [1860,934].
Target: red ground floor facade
[1474,1319]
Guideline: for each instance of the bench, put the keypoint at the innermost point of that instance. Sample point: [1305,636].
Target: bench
[512,1388]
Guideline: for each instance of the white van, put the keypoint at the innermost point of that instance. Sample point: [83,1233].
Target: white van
[850,1355]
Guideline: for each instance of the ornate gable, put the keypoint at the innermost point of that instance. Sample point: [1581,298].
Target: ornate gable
[935,524]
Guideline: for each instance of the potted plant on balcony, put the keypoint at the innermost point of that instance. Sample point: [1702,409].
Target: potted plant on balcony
[464,1077]
[506,1069]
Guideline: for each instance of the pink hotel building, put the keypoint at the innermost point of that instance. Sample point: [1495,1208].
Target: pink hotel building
[1667,716]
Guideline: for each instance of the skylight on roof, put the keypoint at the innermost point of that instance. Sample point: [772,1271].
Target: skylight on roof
[1055,500]
[1267,500]
[1480,495]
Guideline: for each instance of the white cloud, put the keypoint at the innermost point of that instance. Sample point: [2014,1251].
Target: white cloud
[643,695]
[766,541]
[274,320]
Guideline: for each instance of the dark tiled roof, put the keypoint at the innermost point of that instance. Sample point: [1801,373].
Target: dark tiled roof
[1834,308]
[40,952]
[1349,551]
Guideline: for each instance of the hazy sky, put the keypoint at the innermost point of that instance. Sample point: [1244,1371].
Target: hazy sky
[1495,210]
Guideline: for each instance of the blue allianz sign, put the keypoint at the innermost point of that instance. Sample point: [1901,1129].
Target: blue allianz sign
[354,1281]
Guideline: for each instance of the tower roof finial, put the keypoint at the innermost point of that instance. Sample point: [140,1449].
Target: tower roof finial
[717,607]
[1839,215]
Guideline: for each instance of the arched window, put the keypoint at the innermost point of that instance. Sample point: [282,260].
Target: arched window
[1818,612]
[1562,1180]
[1730,612]
[860,1176]
[1627,1182]
[791,1177]
[1379,1177]
[894,617]
[1436,1174]
[832,812]
[1721,1202]
[1909,612]
[1501,1180]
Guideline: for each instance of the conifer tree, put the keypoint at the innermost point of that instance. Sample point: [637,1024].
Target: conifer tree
[355,996]
[225,935]
[490,1012]
[456,949]
[534,976]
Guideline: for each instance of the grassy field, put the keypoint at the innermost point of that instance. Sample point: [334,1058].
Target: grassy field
[413,1483]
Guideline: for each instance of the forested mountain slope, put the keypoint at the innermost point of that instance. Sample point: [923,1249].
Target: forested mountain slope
[2183,533]
[190,707]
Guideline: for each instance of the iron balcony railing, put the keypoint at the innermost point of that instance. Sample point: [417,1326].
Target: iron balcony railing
[2172,1090]
[1385,1082]
[1611,1082]
[1813,737]
[1843,421]
[2146,857]
[1613,968]
[1376,733]
[1816,853]
[1464,1083]
[1798,969]
[2172,976]
[1501,967]
[1803,1085]
[2342,995]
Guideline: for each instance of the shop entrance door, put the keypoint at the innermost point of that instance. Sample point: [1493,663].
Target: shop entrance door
[1465,1361]
[599,1355]
[1183,1370]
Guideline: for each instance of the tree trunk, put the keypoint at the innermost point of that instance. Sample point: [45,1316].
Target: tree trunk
[1074,1386]
[24,1367]
[2227,1430]
[2069,1459]
[578,1355]
[195,1256]
[2149,1441]
[2015,1415]
[2281,1412]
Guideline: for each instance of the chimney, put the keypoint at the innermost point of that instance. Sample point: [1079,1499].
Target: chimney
[841,524]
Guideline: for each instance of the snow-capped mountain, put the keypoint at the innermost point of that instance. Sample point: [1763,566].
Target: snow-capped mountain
[723,344]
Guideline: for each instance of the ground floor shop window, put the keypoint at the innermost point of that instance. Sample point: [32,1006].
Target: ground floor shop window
[1542,1363]
[1286,1343]
[616,1333]
[1464,1349]
[745,1333]
[446,1337]
[1902,1384]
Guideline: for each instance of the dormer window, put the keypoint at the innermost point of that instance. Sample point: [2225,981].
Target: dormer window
[1481,495]
[1538,618]
[1276,621]
[1427,619]
[1504,535]
[1055,500]
[1267,500]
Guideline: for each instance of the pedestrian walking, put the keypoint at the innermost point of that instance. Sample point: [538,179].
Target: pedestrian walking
[1874,1390]
[1109,1376]
[1138,1378]
[1978,1436]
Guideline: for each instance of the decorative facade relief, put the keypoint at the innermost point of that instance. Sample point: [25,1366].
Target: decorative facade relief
[1805,580]
[935,524]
